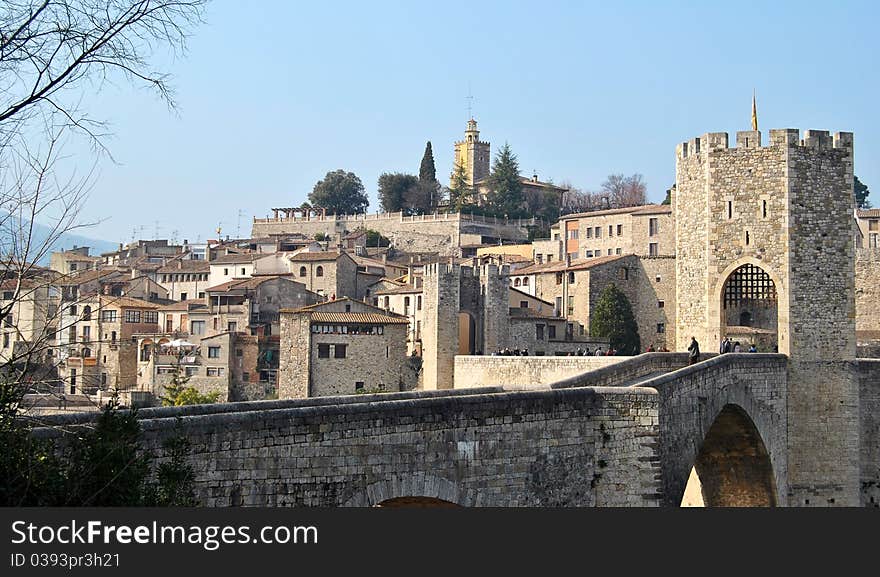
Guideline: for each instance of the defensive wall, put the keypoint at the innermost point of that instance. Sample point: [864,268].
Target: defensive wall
[417,233]
[480,371]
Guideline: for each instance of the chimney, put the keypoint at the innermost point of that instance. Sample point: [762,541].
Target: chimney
[535,177]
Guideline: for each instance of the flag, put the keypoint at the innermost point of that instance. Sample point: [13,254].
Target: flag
[754,113]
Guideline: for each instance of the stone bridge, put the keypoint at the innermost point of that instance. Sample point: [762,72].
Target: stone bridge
[581,441]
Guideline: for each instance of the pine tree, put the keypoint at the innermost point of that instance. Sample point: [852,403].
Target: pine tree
[506,196]
[612,318]
[460,192]
[861,192]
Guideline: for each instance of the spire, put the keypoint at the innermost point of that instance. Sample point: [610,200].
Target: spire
[754,112]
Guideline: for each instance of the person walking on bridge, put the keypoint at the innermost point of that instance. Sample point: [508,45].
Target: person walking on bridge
[694,351]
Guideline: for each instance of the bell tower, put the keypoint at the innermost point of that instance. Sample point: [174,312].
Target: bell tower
[472,155]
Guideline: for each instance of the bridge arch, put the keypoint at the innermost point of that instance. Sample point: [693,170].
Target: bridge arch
[733,465]
[413,490]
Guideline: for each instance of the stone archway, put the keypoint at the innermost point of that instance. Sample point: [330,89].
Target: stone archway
[416,502]
[750,308]
[733,467]
[467,334]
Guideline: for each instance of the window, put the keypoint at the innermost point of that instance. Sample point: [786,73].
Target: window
[213,352]
[589,232]
[302,271]
[610,230]
[245,377]
[73,267]
[525,283]
[323,351]
[539,258]
[573,234]
[201,295]
[132,316]
[729,209]
[151,316]
[747,238]
[405,305]
[232,326]
[539,332]
[72,310]
[598,232]
[5,340]
[183,297]
[387,301]
[660,304]
[652,249]
[763,209]
[570,305]
[588,254]
[559,278]
[87,333]
[197,327]
[572,255]
[523,304]
[7,295]
[87,313]
[225,272]
[551,332]
[191,371]
[215,371]
[339,352]
[112,336]
[319,271]
[653,227]
[624,273]
[358,386]
[7,320]
[571,278]
[617,251]
[242,272]
[86,352]
[619,230]
[609,252]
[657,278]
[661,328]
[517,282]
[419,299]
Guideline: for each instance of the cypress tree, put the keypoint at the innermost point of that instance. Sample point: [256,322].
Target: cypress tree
[427,171]
[612,318]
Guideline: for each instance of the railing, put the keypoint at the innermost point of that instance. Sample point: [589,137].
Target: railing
[400,217]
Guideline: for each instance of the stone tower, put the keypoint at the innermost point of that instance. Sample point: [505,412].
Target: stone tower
[466,311]
[764,253]
[472,155]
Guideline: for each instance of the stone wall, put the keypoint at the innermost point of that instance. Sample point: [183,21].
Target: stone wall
[442,292]
[867,287]
[377,361]
[579,447]
[294,356]
[481,371]
[421,233]
[869,431]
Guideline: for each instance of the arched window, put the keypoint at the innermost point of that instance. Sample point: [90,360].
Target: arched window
[86,352]
[517,282]
[387,300]
[87,313]
[526,281]
[302,271]
[319,271]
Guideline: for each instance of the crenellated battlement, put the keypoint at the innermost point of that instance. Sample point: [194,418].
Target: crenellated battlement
[748,139]
[475,143]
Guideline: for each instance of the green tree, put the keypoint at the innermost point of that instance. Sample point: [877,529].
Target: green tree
[178,393]
[340,192]
[394,190]
[175,479]
[862,192]
[429,189]
[505,196]
[461,194]
[375,239]
[612,318]
[668,199]
[108,467]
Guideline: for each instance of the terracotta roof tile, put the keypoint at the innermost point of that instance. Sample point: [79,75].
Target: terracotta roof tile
[363,318]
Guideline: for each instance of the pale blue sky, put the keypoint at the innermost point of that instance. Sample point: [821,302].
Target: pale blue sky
[272,95]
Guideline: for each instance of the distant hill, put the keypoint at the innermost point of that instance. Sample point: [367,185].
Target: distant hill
[68,241]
